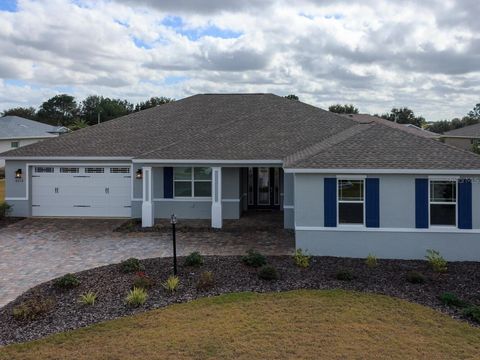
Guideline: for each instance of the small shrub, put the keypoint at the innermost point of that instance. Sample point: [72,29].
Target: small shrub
[415,277]
[206,281]
[254,259]
[371,261]
[33,308]
[301,258]
[136,297]
[344,275]
[132,265]
[194,259]
[67,281]
[268,272]
[451,299]
[171,284]
[436,262]
[142,281]
[5,209]
[88,298]
[473,313]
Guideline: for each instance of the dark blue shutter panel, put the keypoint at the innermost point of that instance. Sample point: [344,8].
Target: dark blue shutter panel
[330,202]
[168,182]
[372,204]
[421,203]
[465,204]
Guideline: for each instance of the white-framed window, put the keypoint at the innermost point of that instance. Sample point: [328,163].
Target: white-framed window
[351,201]
[120,170]
[192,182]
[443,202]
[15,144]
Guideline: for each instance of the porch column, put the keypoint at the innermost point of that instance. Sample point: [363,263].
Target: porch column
[217,197]
[147,204]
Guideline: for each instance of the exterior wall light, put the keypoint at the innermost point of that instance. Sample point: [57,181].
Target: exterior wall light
[18,174]
[138,174]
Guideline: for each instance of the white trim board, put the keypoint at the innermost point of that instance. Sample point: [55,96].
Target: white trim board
[384,171]
[202,161]
[66,158]
[406,230]
[187,200]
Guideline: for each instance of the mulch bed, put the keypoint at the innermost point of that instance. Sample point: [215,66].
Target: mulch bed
[231,275]
[5,221]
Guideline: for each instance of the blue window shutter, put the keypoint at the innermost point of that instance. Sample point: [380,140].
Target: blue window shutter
[421,203]
[465,204]
[168,182]
[330,202]
[372,205]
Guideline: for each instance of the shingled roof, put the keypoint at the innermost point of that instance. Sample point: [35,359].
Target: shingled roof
[471,131]
[253,127]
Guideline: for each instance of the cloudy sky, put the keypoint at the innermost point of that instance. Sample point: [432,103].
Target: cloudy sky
[372,53]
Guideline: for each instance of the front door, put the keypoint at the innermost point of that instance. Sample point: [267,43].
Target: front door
[264,188]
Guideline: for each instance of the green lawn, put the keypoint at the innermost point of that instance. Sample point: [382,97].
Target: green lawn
[297,324]
[2,190]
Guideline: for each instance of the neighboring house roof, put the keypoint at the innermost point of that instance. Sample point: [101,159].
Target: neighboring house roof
[471,131]
[15,127]
[254,127]
[415,130]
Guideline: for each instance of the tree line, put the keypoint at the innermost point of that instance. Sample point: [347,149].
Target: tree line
[64,110]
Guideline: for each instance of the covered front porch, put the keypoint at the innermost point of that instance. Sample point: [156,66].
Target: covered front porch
[221,195]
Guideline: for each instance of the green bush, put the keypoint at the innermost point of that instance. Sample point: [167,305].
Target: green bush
[5,209]
[131,265]
[301,258]
[67,281]
[268,272]
[88,298]
[171,284]
[451,299]
[344,275]
[194,259]
[33,308]
[136,297]
[205,281]
[371,261]
[415,277]
[254,259]
[473,313]
[436,262]
[142,281]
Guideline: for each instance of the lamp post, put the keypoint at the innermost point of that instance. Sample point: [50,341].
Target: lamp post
[173,221]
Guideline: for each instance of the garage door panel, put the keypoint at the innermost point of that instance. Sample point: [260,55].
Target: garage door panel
[81,194]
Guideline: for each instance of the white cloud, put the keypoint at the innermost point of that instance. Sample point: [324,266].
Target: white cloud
[375,54]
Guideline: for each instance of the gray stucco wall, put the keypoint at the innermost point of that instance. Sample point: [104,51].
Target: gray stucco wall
[396,237]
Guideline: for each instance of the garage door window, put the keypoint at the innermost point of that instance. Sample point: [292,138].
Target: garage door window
[120,170]
[69,170]
[192,182]
[41,170]
[94,170]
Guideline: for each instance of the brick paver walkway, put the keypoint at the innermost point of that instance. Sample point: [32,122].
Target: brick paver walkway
[36,250]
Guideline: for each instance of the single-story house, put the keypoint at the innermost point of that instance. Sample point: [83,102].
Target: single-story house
[346,187]
[464,138]
[16,132]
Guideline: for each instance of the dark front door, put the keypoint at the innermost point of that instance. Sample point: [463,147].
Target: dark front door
[264,188]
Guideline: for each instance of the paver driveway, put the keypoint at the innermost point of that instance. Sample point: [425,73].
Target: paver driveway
[36,250]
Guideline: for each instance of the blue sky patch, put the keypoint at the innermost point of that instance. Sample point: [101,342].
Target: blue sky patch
[173,80]
[177,24]
[141,44]
[8,5]
[334,16]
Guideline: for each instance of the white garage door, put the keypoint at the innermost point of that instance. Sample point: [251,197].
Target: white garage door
[81,191]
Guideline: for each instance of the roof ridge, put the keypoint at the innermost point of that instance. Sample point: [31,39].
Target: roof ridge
[318,147]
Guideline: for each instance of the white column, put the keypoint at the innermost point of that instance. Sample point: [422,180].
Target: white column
[147,203]
[217,197]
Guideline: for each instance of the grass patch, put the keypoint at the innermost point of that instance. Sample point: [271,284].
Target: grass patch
[296,324]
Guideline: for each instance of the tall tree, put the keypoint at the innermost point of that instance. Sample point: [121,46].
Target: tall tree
[404,116]
[24,112]
[343,109]
[152,102]
[292,97]
[95,108]
[475,113]
[58,110]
